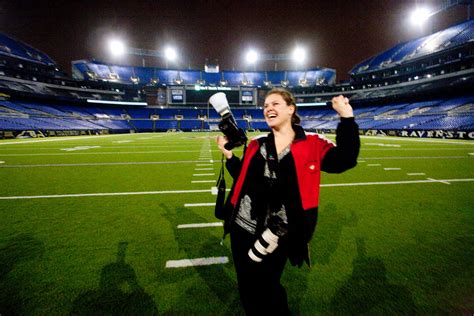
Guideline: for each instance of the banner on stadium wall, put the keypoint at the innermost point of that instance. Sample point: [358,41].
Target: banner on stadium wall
[422,133]
[75,132]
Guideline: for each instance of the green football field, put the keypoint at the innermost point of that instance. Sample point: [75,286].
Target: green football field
[101,225]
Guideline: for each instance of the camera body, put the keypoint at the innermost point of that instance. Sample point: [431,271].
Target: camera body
[236,136]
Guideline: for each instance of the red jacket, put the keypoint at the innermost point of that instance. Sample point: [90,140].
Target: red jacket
[308,154]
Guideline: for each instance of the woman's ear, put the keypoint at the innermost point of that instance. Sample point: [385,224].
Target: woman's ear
[292,109]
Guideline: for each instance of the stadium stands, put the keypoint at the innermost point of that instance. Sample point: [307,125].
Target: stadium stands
[83,69]
[423,84]
[404,52]
[450,114]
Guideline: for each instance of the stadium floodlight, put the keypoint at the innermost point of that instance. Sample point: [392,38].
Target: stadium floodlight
[420,15]
[299,55]
[117,47]
[251,57]
[170,54]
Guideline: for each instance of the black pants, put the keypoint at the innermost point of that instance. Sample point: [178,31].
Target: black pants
[259,282]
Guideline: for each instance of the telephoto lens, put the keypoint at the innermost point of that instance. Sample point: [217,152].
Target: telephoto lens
[265,244]
[268,241]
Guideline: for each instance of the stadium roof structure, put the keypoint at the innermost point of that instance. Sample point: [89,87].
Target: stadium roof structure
[15,48]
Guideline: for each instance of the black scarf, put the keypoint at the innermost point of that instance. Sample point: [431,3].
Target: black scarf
[265,192]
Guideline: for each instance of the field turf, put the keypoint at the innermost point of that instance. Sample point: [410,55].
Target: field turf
[88,225]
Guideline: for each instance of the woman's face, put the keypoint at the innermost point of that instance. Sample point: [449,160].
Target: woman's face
[276,112]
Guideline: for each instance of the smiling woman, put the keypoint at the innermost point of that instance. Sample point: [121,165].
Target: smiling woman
[271,212]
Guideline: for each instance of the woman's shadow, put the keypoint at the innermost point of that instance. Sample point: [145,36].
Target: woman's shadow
[368,290]
[119,292]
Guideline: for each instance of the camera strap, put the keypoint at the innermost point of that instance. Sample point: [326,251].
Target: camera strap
[219,211]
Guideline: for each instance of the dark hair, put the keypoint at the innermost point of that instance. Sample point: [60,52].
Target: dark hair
[289,99]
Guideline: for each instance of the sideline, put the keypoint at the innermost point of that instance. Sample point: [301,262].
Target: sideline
[423,140]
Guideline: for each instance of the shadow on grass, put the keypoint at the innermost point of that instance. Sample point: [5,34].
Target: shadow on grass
[119,292]
[200,243]
[295,281]
[324,244]
[369,291]
[18,250]
[328,232]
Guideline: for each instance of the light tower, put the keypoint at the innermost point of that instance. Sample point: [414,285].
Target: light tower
[118,48]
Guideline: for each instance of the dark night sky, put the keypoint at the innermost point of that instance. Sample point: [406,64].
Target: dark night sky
[338,34]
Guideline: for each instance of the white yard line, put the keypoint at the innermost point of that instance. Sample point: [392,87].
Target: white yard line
[137,145]
[199,204]
[203,181]
[110,147]
[102,194]
[196,262]
[382,145]
[392,169]
[201,225]
[424,157]
[416,174]
[103,153]
[423,140]
[440,181]
[60,139]
[102,164]
[203,169]
[373,165]
[395,182]
[210,190]
[80,148]
[413,149]
[203,174]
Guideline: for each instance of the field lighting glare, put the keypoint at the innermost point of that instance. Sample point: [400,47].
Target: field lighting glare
[116,47]
[251,56]
[419,16]
[299,55]
[170,54]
